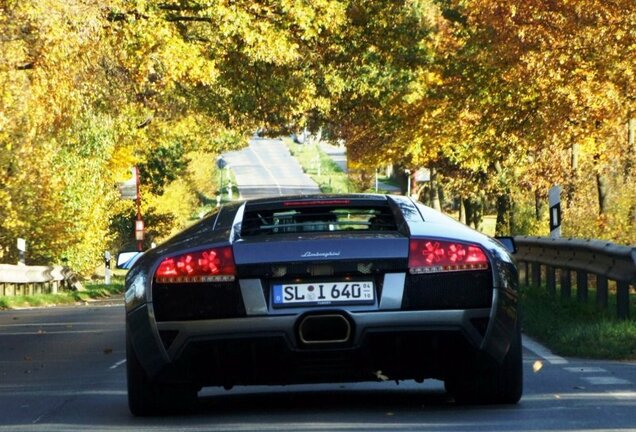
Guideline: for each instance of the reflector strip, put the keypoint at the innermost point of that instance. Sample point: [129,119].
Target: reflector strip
[440,269]
[195,279]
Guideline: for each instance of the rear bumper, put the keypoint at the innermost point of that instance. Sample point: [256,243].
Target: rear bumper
[268,349]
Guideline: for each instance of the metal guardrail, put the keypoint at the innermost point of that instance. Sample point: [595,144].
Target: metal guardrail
[28,280]
[540,257]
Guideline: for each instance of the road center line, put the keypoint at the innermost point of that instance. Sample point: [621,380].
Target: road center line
[264,165]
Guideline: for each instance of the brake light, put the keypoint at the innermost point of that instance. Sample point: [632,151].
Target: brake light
[211,265]
[435,256]
[321,202]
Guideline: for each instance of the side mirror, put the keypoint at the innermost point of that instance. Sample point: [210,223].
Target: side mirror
[508,243]
[125,260]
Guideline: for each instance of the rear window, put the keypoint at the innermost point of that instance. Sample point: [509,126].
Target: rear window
[319,218]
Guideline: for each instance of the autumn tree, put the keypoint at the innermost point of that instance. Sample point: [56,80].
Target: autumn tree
[88,90]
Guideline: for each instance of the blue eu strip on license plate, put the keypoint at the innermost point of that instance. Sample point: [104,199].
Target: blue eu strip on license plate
[357,292]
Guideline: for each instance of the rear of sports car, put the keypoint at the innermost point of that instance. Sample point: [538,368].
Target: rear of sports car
[323,289]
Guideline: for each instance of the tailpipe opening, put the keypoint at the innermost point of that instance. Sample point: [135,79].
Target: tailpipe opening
[324,329]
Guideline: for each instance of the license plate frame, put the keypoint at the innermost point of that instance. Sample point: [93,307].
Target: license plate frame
[324,293]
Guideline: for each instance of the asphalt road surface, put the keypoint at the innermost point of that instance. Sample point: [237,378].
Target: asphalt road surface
[266,168]
[63,369]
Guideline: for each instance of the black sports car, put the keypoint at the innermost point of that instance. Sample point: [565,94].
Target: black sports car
[323,288]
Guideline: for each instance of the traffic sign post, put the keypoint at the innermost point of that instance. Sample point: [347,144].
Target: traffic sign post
[107,268]
[221,164]
[554,199]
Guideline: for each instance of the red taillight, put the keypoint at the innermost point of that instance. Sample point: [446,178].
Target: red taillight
[435,256]
[211,265]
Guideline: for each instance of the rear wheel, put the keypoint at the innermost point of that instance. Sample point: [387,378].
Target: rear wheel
[147,398]
[495,383]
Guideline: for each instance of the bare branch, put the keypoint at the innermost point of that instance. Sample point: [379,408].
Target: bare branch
[144,123]
[25,66]
[181,18]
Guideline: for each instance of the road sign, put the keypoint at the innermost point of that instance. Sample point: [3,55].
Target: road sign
[21,251]
[128,189]
[139,230]
[423,175]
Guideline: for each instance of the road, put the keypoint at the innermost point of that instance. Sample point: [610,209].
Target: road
[62,369]
[266,168]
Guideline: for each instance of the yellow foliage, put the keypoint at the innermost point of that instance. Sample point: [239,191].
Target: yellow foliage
[178,201]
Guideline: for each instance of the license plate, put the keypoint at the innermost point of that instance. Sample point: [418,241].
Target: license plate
[323,293]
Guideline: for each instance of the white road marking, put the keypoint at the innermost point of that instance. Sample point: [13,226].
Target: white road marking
[606,380]
[60,324]
[264,165]
[585,369]
[542,351]
[623,395]
[582,395]
[44,332]
[119,363]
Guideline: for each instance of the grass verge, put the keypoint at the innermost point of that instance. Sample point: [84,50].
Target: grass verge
[92,291]
[330,178]
[575,329]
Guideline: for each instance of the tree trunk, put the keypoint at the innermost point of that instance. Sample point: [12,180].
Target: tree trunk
[434,191]
[462,211]
[502,226]
[478,214]
[473,212]
[630,160]
[468,211]
[538,205]
[602,188]
[570,184]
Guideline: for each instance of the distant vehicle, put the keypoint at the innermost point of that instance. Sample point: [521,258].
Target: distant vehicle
[322,288]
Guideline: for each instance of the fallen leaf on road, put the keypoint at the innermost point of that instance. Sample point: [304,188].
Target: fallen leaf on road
[379,375]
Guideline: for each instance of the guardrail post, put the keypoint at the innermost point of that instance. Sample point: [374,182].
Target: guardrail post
[581,286]
[525,274]
[536,275]
[550,273]
[601,291]
[622,299]
[566,283]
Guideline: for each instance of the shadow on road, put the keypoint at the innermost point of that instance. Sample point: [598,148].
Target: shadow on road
[335,400]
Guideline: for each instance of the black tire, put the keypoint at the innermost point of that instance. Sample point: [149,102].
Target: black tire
[493,384]
[148,398]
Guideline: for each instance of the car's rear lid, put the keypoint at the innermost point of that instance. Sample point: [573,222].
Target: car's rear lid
[333,231]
